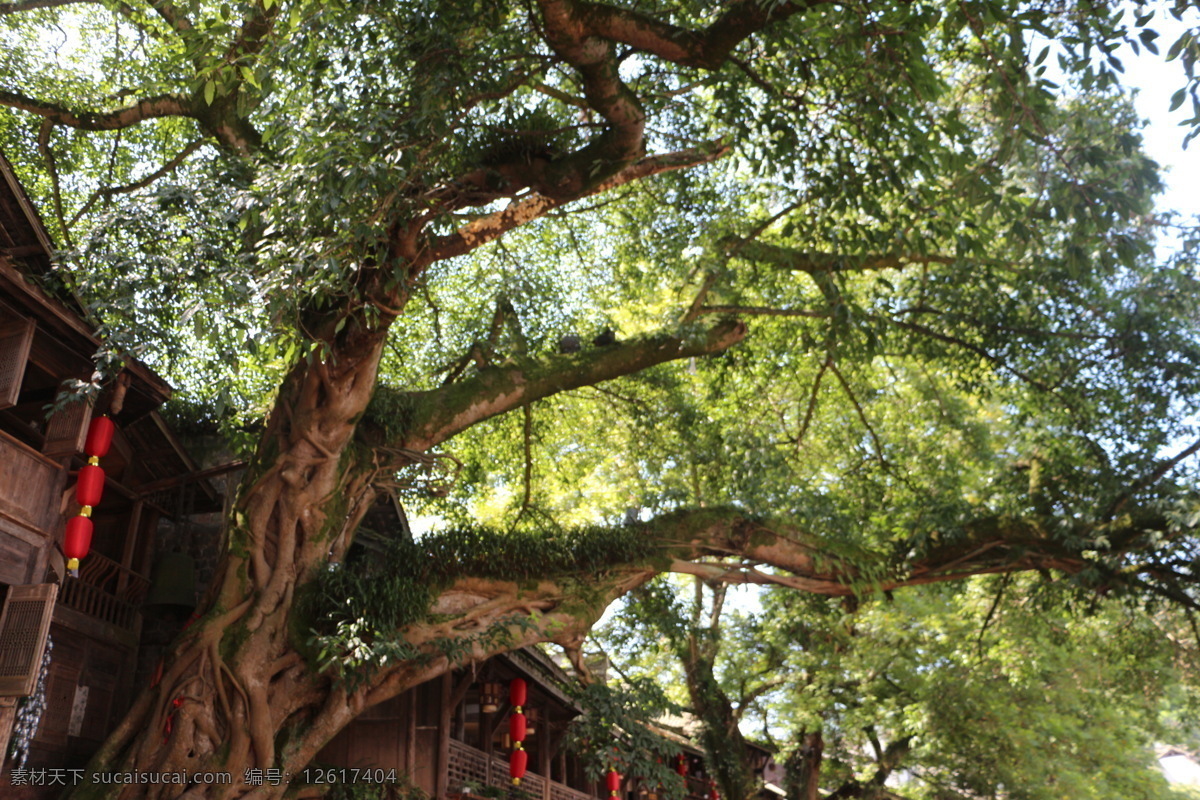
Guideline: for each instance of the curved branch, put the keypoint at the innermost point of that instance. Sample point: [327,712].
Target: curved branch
[989,545]
[18,6]
[112,191]
[1163,467]
[440,413]
[163,105]
[569,34]
[707,49]
[171,14]
[534,205]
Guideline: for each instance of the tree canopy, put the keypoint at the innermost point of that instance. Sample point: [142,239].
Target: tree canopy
[837,298]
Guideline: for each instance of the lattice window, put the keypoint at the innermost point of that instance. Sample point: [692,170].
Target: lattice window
[24,624]
[15,340]
[67,430]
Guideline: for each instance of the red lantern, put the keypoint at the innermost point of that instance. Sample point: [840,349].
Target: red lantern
[516,727]
[613,781]
[518,760]
[77,542]
[90,487]
[517,692]
[99,437]
[681,764]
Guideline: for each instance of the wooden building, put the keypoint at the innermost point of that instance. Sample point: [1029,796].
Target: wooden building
[450,737]
[94,621]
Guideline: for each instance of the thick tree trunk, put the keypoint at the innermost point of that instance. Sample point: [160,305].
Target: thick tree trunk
[234,693]
[803,768]
[729,760]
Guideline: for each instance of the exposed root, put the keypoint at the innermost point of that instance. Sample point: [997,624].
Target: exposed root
[218,667]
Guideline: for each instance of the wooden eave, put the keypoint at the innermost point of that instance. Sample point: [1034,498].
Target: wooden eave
[539,668]
[23,233]
[26,252]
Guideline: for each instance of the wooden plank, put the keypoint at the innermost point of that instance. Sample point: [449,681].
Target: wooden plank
[8,441]
[8,716]
[90,626]
[16,337]
[30,483]
[35,229]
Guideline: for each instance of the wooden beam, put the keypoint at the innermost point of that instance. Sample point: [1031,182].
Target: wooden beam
[131,536]
[189,477]
[22,251]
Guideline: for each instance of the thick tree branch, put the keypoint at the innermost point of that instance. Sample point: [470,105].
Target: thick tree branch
[988,545]
[164,105]
[30,5]
[762,311]
[707,49]
[439,414]
[596,63]
[531,206]
[172,15]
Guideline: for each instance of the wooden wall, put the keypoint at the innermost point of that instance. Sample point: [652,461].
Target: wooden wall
[391,735]
[29,508]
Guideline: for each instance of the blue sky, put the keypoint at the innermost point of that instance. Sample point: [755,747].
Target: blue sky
[1156,80]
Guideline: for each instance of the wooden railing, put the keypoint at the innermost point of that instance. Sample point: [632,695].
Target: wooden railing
[532,785]
[468,765]
[560,792]
[105,590]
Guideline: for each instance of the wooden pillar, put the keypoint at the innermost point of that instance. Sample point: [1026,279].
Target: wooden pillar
[131,537]
[8,716]
[410,731]
[445,712]
[544,755]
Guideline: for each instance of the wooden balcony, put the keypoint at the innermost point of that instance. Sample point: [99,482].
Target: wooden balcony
[106,591]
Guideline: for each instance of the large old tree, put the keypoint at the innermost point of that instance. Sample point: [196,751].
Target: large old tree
[878,277]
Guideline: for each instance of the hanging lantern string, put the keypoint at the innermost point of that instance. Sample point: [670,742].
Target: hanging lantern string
[89,488]
[518,760]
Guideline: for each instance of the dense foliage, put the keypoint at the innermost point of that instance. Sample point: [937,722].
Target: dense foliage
[837,298]
[1001,687]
